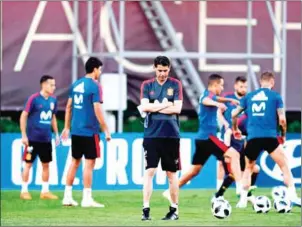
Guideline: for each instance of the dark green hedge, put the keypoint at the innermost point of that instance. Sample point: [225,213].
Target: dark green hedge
[134,125]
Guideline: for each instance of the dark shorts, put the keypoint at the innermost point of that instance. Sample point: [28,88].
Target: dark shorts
[165,150]
[205,148]
[255,146]
[89,146]
[42,149]
[238,145]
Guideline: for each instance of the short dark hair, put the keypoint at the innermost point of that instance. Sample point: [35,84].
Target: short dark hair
[241,79]
[92,63]
[161,60]
[267,76]
[214,78]
[44,78]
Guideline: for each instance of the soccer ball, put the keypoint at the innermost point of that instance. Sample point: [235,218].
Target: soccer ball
[262,204]
[221,208]
[282,205]
[279,192]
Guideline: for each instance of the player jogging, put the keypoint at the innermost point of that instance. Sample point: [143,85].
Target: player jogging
[161,99]
[36,121]
[207,143]
[240,87]
[84,111]
[263,108]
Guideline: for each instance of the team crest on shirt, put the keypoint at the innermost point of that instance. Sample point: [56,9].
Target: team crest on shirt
[170,91]
[52,105]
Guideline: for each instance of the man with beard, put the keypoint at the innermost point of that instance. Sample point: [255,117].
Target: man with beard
[234,141]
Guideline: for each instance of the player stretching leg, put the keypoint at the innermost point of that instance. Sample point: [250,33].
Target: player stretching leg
[84,111]
[161,99]
[263,108]
[240,87]
[207,143]
[35,122]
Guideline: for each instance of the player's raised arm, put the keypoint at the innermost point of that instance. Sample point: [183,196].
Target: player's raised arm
[225,99]
[208,101]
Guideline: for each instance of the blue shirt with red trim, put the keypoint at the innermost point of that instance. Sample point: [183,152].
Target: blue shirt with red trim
[159,125]
[207,117]
[84,93]
[261,109]
[40,112]
[242,119]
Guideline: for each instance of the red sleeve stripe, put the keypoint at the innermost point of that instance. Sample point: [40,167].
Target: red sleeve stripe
[100,90]
[180,94]
[143,85]
[30,100]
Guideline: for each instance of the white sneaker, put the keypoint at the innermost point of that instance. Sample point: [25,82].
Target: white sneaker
[91,203]
[251,199]
[167,195]
[296,201]
[242,204]
[69,202]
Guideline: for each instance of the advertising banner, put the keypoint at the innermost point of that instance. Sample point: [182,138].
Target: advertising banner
[121,165]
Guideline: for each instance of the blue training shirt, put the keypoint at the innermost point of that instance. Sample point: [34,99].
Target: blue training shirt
[159,125]
[207,117]
[40,112]
[84,93]
[242,119]
[261,109]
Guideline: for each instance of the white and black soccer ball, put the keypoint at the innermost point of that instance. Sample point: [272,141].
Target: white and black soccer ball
[262,204]
[279,192]
[283,205]
[221,208]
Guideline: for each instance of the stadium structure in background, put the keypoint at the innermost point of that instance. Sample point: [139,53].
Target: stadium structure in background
[233,38]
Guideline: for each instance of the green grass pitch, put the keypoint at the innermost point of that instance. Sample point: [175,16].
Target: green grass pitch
[123,208]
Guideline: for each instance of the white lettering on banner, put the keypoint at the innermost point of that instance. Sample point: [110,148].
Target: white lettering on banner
[32,34]
[292,161]
[138,160]
[117,160]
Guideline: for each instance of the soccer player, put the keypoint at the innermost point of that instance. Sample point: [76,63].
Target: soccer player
[84,111]
[161,99]
[264,107]
[36,121]
[240,87]
[207,143]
